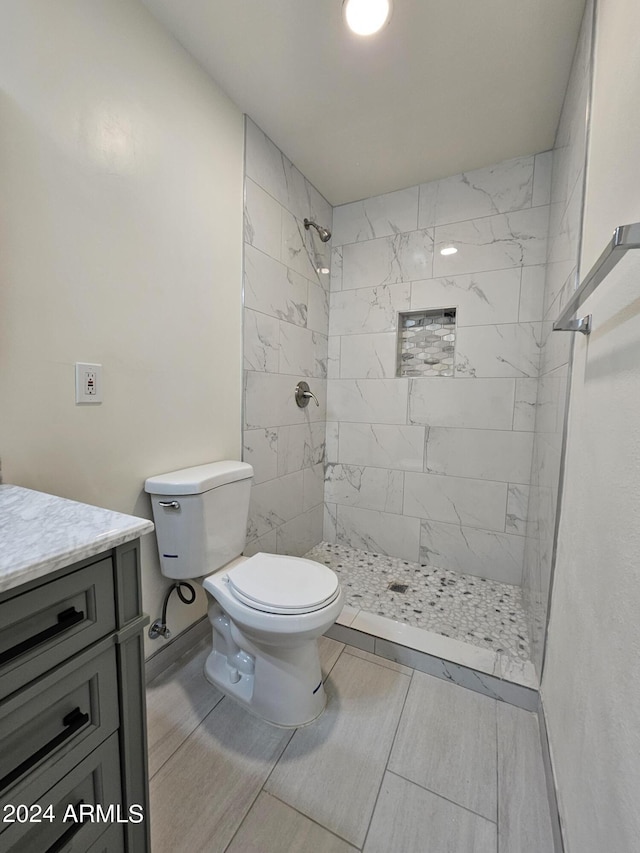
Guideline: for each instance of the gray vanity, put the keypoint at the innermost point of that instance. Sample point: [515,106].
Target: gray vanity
[73,763]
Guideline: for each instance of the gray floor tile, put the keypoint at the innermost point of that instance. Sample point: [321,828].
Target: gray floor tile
[446,742]
[332,769]
[524,823]
[408,819]
[273,827]
[203,792]
[177,701]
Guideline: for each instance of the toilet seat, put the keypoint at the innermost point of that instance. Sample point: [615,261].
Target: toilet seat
[273,583]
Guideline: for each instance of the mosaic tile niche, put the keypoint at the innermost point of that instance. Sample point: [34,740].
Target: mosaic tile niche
[426,342]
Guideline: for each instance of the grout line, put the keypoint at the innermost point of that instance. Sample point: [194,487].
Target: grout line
[441,797]
[386,765]
[313,820]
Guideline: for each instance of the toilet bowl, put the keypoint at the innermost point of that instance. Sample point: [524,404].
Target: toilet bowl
[267,615]
[267,611]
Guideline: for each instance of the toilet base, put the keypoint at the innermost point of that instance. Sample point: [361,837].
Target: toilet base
[282,685]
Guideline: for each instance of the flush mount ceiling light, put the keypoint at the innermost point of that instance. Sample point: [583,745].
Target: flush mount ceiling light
[448,250]
[365,17]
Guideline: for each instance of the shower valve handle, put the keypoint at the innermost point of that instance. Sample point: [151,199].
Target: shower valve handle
[303,394]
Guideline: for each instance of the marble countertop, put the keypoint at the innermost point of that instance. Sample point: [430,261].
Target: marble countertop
[40,533]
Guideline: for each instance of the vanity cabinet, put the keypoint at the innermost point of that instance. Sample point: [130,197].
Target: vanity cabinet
[72,711]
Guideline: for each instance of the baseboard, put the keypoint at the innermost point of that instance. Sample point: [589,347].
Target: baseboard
[175,648]
[556,826]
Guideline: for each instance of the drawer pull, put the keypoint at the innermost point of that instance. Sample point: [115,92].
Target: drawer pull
[67,619]
[74,721]
[66,837]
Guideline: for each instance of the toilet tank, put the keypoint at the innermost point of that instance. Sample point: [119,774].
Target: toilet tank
[200,515]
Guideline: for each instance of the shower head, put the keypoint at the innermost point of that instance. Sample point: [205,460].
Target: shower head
[323,233]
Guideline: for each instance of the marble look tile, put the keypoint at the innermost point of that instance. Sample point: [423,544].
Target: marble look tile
[379,216]
[299,252]
[498,455]
[542,179]
[372,658]
[274,502]
[177,701]
[355,639]
[302,352]
[508,350]
[492,243]
[347,615]
[409,818]
[262,220]
[229,744]
[379,532]
[383,445]
[463,403]
[264,162]
[261,340]
[272,289]
[297,536]
[300,446]
[313,488]
[333,357]
[485,553]
[524,409]
[337,785]
[388,260]
[318,309]
[335,282]
[446,742]
[369,488]
[272,826]
[370,309]
[475,503]
[260,449]
[524,820]
[481,298]
[269,400]
[369,356]
[329,522]
[331,442]
[517,503]
[427,204]
[266,544]
[488,685]
[375,401]
[532,294]
[505,187]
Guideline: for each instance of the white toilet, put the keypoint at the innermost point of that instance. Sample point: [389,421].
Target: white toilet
[267,610]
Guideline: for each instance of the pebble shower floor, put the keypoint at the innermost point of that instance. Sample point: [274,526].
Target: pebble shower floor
[477,611]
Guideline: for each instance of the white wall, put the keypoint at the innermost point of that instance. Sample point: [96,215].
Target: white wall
[121,211]
[591,681]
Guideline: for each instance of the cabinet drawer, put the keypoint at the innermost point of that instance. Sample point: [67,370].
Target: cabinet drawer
[112,841]
[51,725]
[96,780]
[43,627]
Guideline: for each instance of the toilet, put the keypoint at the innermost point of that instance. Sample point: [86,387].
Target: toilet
[266,611]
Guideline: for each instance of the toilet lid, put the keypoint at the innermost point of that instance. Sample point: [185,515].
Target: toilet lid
[278,584]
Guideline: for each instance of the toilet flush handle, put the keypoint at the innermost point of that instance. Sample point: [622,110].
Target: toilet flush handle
[169,504]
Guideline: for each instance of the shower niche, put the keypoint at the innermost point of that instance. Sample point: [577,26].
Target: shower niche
[426,342]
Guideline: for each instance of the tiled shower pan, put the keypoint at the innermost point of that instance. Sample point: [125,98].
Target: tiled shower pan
[463,628]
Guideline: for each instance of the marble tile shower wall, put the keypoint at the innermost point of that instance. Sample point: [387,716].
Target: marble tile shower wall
[437,469]
[286,319]
[567,190]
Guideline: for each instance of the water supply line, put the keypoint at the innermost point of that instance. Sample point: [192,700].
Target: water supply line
[159,627]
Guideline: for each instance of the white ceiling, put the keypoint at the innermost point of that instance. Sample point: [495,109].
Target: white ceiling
[447,86]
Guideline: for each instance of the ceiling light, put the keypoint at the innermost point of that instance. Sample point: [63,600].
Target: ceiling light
[366,17]
[448,250]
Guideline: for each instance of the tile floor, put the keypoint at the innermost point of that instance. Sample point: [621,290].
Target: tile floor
[484,613]
[399,762]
